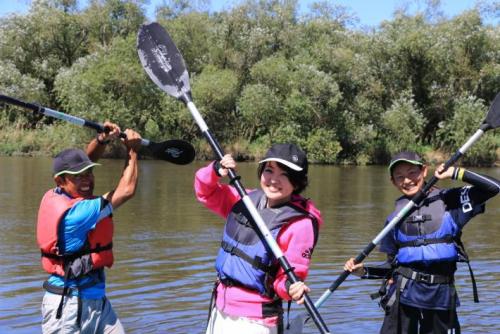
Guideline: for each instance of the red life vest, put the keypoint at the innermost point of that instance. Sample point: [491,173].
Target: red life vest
[52,209]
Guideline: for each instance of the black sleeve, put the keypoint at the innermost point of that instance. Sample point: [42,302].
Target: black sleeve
[486,187]
[466,202]
[383,270]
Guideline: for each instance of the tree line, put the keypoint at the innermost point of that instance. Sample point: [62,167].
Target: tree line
[261,72]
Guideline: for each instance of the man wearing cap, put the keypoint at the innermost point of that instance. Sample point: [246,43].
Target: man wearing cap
[74,233]
[419,295]
[251,285]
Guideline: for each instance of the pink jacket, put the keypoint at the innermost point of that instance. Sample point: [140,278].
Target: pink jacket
[295,240]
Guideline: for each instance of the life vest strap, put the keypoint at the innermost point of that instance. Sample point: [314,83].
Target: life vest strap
[58,290]
[256,261]
[465,258]
[447,239]
[76,255]
[424,277]
[61,291]
[68,291]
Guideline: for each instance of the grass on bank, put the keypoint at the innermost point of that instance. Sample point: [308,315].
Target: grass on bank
[48,140]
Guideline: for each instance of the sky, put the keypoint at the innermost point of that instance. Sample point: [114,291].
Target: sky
[369,12]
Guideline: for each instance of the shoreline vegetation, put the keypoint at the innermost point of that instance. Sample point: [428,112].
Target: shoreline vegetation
[33,143]
[261,73]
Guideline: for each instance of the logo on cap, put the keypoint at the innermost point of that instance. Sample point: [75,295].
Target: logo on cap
[289,155]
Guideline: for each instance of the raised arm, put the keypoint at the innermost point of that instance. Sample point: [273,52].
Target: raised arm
[486,185]
[128,181]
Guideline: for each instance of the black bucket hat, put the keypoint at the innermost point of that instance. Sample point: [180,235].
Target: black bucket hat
[405,156]
[289,155]
[72,161]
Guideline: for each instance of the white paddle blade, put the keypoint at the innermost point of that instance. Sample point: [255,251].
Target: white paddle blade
[162,61]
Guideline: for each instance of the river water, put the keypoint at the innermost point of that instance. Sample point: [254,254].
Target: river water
[166,242]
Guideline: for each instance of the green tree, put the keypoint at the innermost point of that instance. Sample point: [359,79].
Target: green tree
[468,114]
[110,84]
[14,83]
[403,124]
[215,92]
[260,110]
[107,19]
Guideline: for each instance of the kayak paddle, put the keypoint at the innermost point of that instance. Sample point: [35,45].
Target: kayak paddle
[175,151]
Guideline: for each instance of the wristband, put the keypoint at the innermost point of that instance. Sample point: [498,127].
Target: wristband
[458,174]
[461,172]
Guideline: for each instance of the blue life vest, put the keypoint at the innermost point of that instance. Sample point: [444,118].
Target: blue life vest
[243,259]
[428,234]
[428,246]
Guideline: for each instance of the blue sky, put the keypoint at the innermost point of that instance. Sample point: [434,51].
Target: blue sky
[369,12]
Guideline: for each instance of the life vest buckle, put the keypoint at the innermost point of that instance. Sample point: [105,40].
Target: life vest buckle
[420,242]
[423,277]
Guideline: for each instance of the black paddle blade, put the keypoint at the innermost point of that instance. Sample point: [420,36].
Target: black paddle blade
[493,117]
[162,61]
[175,151]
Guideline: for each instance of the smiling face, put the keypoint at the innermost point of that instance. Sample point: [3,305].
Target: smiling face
[408,178]
[77,185]
[276,185]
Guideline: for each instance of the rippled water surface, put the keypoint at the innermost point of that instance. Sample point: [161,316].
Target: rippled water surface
[166,242]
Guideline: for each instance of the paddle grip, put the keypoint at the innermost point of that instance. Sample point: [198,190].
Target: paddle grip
[423,193]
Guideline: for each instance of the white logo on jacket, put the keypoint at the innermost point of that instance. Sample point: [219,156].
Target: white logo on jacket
[465,199]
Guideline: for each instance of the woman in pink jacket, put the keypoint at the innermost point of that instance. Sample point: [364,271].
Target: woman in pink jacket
[250,284]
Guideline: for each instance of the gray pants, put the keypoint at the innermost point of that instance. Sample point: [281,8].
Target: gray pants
[98,316]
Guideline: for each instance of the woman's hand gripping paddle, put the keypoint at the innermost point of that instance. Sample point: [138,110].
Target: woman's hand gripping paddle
[492,121]
[164,64]
[175,151]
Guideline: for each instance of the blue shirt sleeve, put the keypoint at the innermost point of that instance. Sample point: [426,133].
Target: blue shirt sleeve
[79,220]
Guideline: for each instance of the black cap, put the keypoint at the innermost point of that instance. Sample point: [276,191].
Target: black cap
[72,161]
[289,155]
[405,156]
